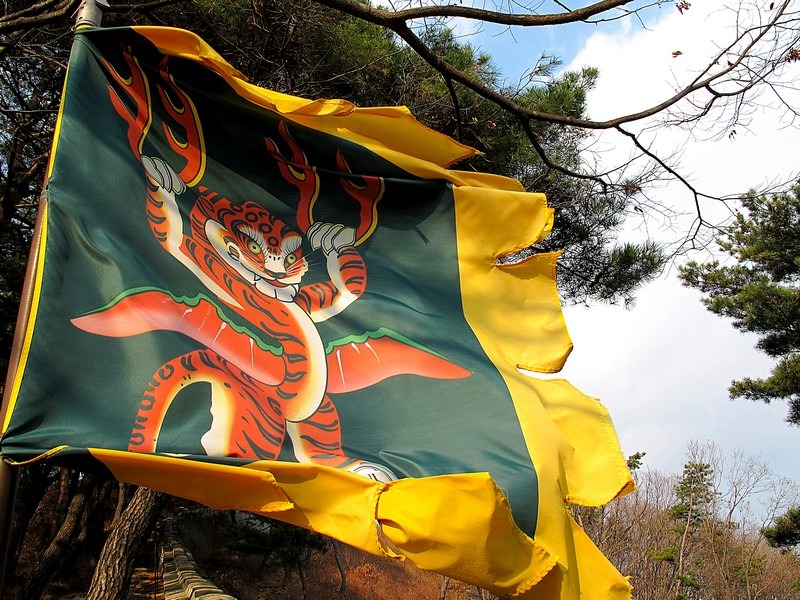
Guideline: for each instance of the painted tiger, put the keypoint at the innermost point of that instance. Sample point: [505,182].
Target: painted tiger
[254,263]
[269,374]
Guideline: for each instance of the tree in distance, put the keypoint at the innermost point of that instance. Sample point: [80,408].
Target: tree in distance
[785,531]
[758,289]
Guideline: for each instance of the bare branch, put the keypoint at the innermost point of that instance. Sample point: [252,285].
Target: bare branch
[35,9]
[456,107]
[534,140]
[52,11]
[142,6]
[704,81]
[393,18]
[43,13]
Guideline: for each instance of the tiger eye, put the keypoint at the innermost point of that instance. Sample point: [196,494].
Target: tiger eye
[253,246]
[291,259]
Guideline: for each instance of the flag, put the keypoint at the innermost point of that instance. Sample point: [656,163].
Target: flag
[295,308]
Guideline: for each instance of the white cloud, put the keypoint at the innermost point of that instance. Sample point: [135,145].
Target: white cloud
[638,70]
[663,368]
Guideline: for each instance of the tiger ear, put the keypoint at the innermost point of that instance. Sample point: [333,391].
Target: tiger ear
[204,205]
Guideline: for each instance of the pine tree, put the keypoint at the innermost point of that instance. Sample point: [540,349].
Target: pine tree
[760,292]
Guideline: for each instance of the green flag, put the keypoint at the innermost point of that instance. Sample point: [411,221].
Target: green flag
[295,307]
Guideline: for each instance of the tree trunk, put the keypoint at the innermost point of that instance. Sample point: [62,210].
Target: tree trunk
[685,536]
[91,528]
[302,572]
[123,491]
[445,585]
[33,482]
[56,551]
[112,576]
[338,556]
[67,478]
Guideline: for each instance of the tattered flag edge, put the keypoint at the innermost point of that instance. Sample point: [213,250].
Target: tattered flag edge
[425,519]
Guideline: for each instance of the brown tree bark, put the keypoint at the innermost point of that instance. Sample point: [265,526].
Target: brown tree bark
[66,488]
[338,556]
[443,590]
[56,551]
[112,575]
[93,512]
[33,482]
[123,494]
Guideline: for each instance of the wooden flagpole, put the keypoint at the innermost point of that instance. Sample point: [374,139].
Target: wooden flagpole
[8,474]
[89,14]
[8,489]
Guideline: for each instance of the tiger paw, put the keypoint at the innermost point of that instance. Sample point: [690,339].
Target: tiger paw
[162,174]
[372,471]
[330,236]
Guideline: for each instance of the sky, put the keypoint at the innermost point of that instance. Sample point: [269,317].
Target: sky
[663,367]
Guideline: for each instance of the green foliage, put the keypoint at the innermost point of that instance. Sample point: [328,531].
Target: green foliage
[760,292]
[564,95]
[668,554]
[302,48]
[785,531]
[694,493]
[751,570]
[689,586]
[635,460]
[689,580]
[593,266]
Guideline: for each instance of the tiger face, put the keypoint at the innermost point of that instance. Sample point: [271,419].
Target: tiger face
[260,248]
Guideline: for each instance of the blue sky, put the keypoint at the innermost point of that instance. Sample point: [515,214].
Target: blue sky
[663,368]
[515,51]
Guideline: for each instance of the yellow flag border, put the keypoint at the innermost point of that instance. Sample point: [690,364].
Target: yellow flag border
[458,525]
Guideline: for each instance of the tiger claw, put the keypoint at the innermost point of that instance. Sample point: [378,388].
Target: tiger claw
[372,471]
[162,174]
[330,236]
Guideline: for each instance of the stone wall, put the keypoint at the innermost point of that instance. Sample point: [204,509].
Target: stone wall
[181,576]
